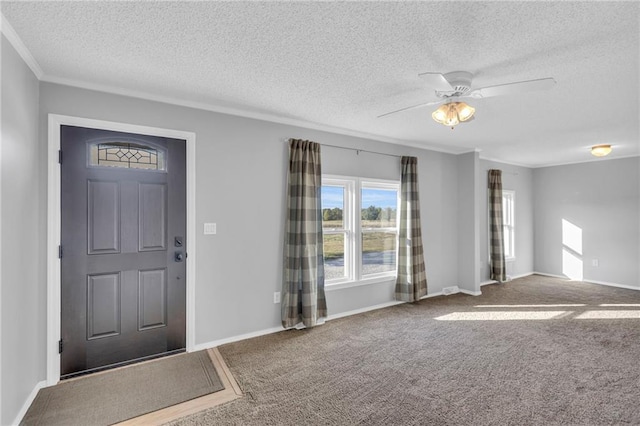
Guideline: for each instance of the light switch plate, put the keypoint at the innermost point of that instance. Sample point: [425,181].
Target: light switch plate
[210,228]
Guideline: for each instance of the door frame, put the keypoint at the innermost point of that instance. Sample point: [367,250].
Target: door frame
[54,226]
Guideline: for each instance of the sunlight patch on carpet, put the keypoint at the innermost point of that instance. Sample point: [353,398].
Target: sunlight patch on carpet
[552,305]
[615,305]
[618,314]
[500,316]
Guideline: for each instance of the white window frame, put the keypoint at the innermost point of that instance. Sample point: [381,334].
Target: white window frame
[351,217]
[377,184]
[347,225]
[509,222]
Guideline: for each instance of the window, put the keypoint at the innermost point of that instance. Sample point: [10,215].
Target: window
[337,228]
[359,221]
[126,155]
[378,226]
[508,223]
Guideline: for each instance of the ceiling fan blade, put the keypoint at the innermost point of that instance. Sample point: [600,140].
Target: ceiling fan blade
[410,108]
[437,81]
[513,88]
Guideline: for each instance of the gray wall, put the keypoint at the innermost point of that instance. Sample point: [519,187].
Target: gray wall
[241,171]
[23,238]
[602,199]
[437,175]
[520,180]
[468,222]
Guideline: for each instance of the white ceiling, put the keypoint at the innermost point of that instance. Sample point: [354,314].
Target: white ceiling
[341,64]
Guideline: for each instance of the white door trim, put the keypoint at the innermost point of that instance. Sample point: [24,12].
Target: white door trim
[54,226]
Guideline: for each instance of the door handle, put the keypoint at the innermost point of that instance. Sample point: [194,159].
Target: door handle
[179,256]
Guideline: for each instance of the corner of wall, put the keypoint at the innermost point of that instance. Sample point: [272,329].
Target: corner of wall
[469,222]
[20,345]
[28,402]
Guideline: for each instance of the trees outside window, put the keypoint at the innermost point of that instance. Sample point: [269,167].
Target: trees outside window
[363,245]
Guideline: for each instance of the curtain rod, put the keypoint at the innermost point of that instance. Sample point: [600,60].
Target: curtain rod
[358,151]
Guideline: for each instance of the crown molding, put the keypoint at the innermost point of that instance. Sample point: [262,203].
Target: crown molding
[25,54]
[591,160]
[566,163]
[21,48]
[510,163]
[239,112]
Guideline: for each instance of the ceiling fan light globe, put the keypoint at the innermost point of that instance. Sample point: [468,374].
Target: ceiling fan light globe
[452,115]
[600,150]
[451,121]
[465,111]
[440,115]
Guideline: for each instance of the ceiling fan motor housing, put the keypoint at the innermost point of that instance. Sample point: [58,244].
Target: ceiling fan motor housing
[460,81]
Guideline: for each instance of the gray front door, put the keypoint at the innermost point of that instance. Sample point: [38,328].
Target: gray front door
[123,271]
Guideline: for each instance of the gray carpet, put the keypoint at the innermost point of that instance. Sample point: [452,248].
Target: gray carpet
[104,399]
[450,361]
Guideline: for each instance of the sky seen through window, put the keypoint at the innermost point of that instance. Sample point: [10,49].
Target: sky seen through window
[332,196]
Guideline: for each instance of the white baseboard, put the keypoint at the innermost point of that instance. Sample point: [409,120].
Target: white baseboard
[220,342]
[544,274]
[215,343]
[628,287]
[458,290]
[513,277]
[608,284]
[432,295]
[526,274]
[29,401]
[362,310]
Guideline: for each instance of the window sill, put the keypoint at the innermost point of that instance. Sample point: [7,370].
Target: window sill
[366,281]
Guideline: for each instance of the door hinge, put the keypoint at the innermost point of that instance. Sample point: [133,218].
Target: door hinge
[60,252]
[60,346]
[60,156]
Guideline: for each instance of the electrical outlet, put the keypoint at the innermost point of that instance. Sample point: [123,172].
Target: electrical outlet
[276,297]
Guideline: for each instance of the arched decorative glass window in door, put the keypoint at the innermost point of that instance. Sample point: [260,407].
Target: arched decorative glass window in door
[127,155]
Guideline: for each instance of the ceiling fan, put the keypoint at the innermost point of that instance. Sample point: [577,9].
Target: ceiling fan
[452,87]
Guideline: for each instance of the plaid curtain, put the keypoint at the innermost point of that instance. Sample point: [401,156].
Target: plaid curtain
[497,266]
[411,283]
[303,298]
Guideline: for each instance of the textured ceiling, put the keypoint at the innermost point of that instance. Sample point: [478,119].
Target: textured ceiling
[341,64]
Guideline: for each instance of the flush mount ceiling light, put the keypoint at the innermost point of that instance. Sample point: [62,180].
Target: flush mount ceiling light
[600,150]
[453,113]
